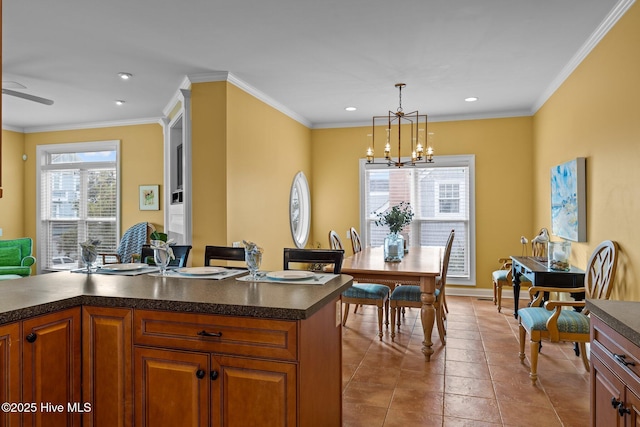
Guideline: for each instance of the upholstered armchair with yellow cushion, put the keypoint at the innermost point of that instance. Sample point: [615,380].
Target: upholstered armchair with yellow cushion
[15,257]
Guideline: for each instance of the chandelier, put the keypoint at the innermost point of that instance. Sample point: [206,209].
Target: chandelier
[415,132]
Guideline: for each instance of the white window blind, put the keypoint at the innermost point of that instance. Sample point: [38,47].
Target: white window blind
[441,195]
[78,200]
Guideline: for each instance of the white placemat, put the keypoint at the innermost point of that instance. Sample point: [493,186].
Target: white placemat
[218,276]
[316,279]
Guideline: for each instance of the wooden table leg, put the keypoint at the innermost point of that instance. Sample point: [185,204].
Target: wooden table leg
[427,314]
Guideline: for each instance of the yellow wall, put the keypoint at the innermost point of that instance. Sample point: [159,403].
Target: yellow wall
[595,114]
[245,155]
[12,202]
[141,164]
[503,156]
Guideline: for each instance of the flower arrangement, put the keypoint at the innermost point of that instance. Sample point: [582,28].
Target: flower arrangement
[396,218]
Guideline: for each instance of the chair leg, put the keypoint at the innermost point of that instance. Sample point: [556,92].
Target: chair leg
[495,290]
[346,313]
[386,312]
[523,335]
[440,323]
[393,323]
[533,347]
[498,291]
[583,354]
[380,316]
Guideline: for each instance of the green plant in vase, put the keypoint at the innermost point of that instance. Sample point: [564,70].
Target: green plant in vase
[396,218]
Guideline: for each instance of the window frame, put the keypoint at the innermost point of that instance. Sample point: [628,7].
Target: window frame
[464,160]
[42,154]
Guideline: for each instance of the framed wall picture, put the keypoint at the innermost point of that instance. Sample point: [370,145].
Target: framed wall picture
[568,200]
[149,197]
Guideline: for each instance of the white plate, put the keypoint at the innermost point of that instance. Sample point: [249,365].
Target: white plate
[124,267]
[290,275]
[200,271]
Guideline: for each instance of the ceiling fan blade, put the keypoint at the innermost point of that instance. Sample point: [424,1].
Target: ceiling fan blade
[27,96]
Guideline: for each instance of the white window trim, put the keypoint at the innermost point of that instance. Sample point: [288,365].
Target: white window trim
[43,150]
[464,160]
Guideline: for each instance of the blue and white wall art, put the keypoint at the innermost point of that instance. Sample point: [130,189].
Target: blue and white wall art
[568,200]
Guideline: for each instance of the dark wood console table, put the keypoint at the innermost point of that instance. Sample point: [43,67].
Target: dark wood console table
[535,269]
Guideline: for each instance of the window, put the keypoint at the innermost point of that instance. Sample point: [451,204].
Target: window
[78,199]
[442,197]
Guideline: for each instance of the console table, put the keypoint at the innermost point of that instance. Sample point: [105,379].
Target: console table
[536,270]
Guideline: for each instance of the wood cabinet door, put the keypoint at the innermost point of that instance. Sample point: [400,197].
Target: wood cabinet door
[171,388]
[51,368]
[632,403]
[10,372]
[107,370]
[607,394]
[251,392]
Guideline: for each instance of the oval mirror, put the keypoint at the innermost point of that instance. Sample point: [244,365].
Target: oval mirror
[300,210]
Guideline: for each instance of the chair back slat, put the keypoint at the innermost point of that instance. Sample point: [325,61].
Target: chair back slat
[334,240]
[446,257]
[601,270]
[356,243]
[314,256]
[222,253]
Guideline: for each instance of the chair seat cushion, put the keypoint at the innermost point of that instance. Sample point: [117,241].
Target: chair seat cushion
[366,291]
[10,256]
[502,276]
[535,319]
[409,293]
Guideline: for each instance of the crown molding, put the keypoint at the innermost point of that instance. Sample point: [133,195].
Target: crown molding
[435,119]
[219,76]
[609,21]
[13,128]
[134,122]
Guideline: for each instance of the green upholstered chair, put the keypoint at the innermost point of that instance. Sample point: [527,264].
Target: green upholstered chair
[15,257]
[553,322]
[409,296]
[363,293]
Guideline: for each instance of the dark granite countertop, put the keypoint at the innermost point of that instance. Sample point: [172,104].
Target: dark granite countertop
[35,295]
[621,316]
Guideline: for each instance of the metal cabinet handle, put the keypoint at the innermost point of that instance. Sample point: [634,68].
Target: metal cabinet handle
[200,374]
[214,375]
[204,333]
[615,403]
[623,359]
[32,337]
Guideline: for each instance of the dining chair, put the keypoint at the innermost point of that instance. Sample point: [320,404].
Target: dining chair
[313,257]
[223,253]
[504,276]
[409,296]
[181,253]
[130,244]
[553,322]
[363,293]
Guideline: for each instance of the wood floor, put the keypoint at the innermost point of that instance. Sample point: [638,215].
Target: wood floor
[475,380]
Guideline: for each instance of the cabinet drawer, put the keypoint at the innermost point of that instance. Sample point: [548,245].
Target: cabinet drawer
[617,352]
[268,338]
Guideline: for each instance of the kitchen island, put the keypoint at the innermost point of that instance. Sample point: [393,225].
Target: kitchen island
[146,350]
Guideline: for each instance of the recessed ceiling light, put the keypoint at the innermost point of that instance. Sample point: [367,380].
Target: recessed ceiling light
[471,99]
[119,102]
[351,108]
[125,76]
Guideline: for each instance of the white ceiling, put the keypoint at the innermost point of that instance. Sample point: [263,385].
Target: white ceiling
[312,57]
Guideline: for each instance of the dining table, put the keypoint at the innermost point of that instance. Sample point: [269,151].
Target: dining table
[420,266]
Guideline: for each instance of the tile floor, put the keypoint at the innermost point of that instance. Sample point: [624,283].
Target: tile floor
[475,380]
